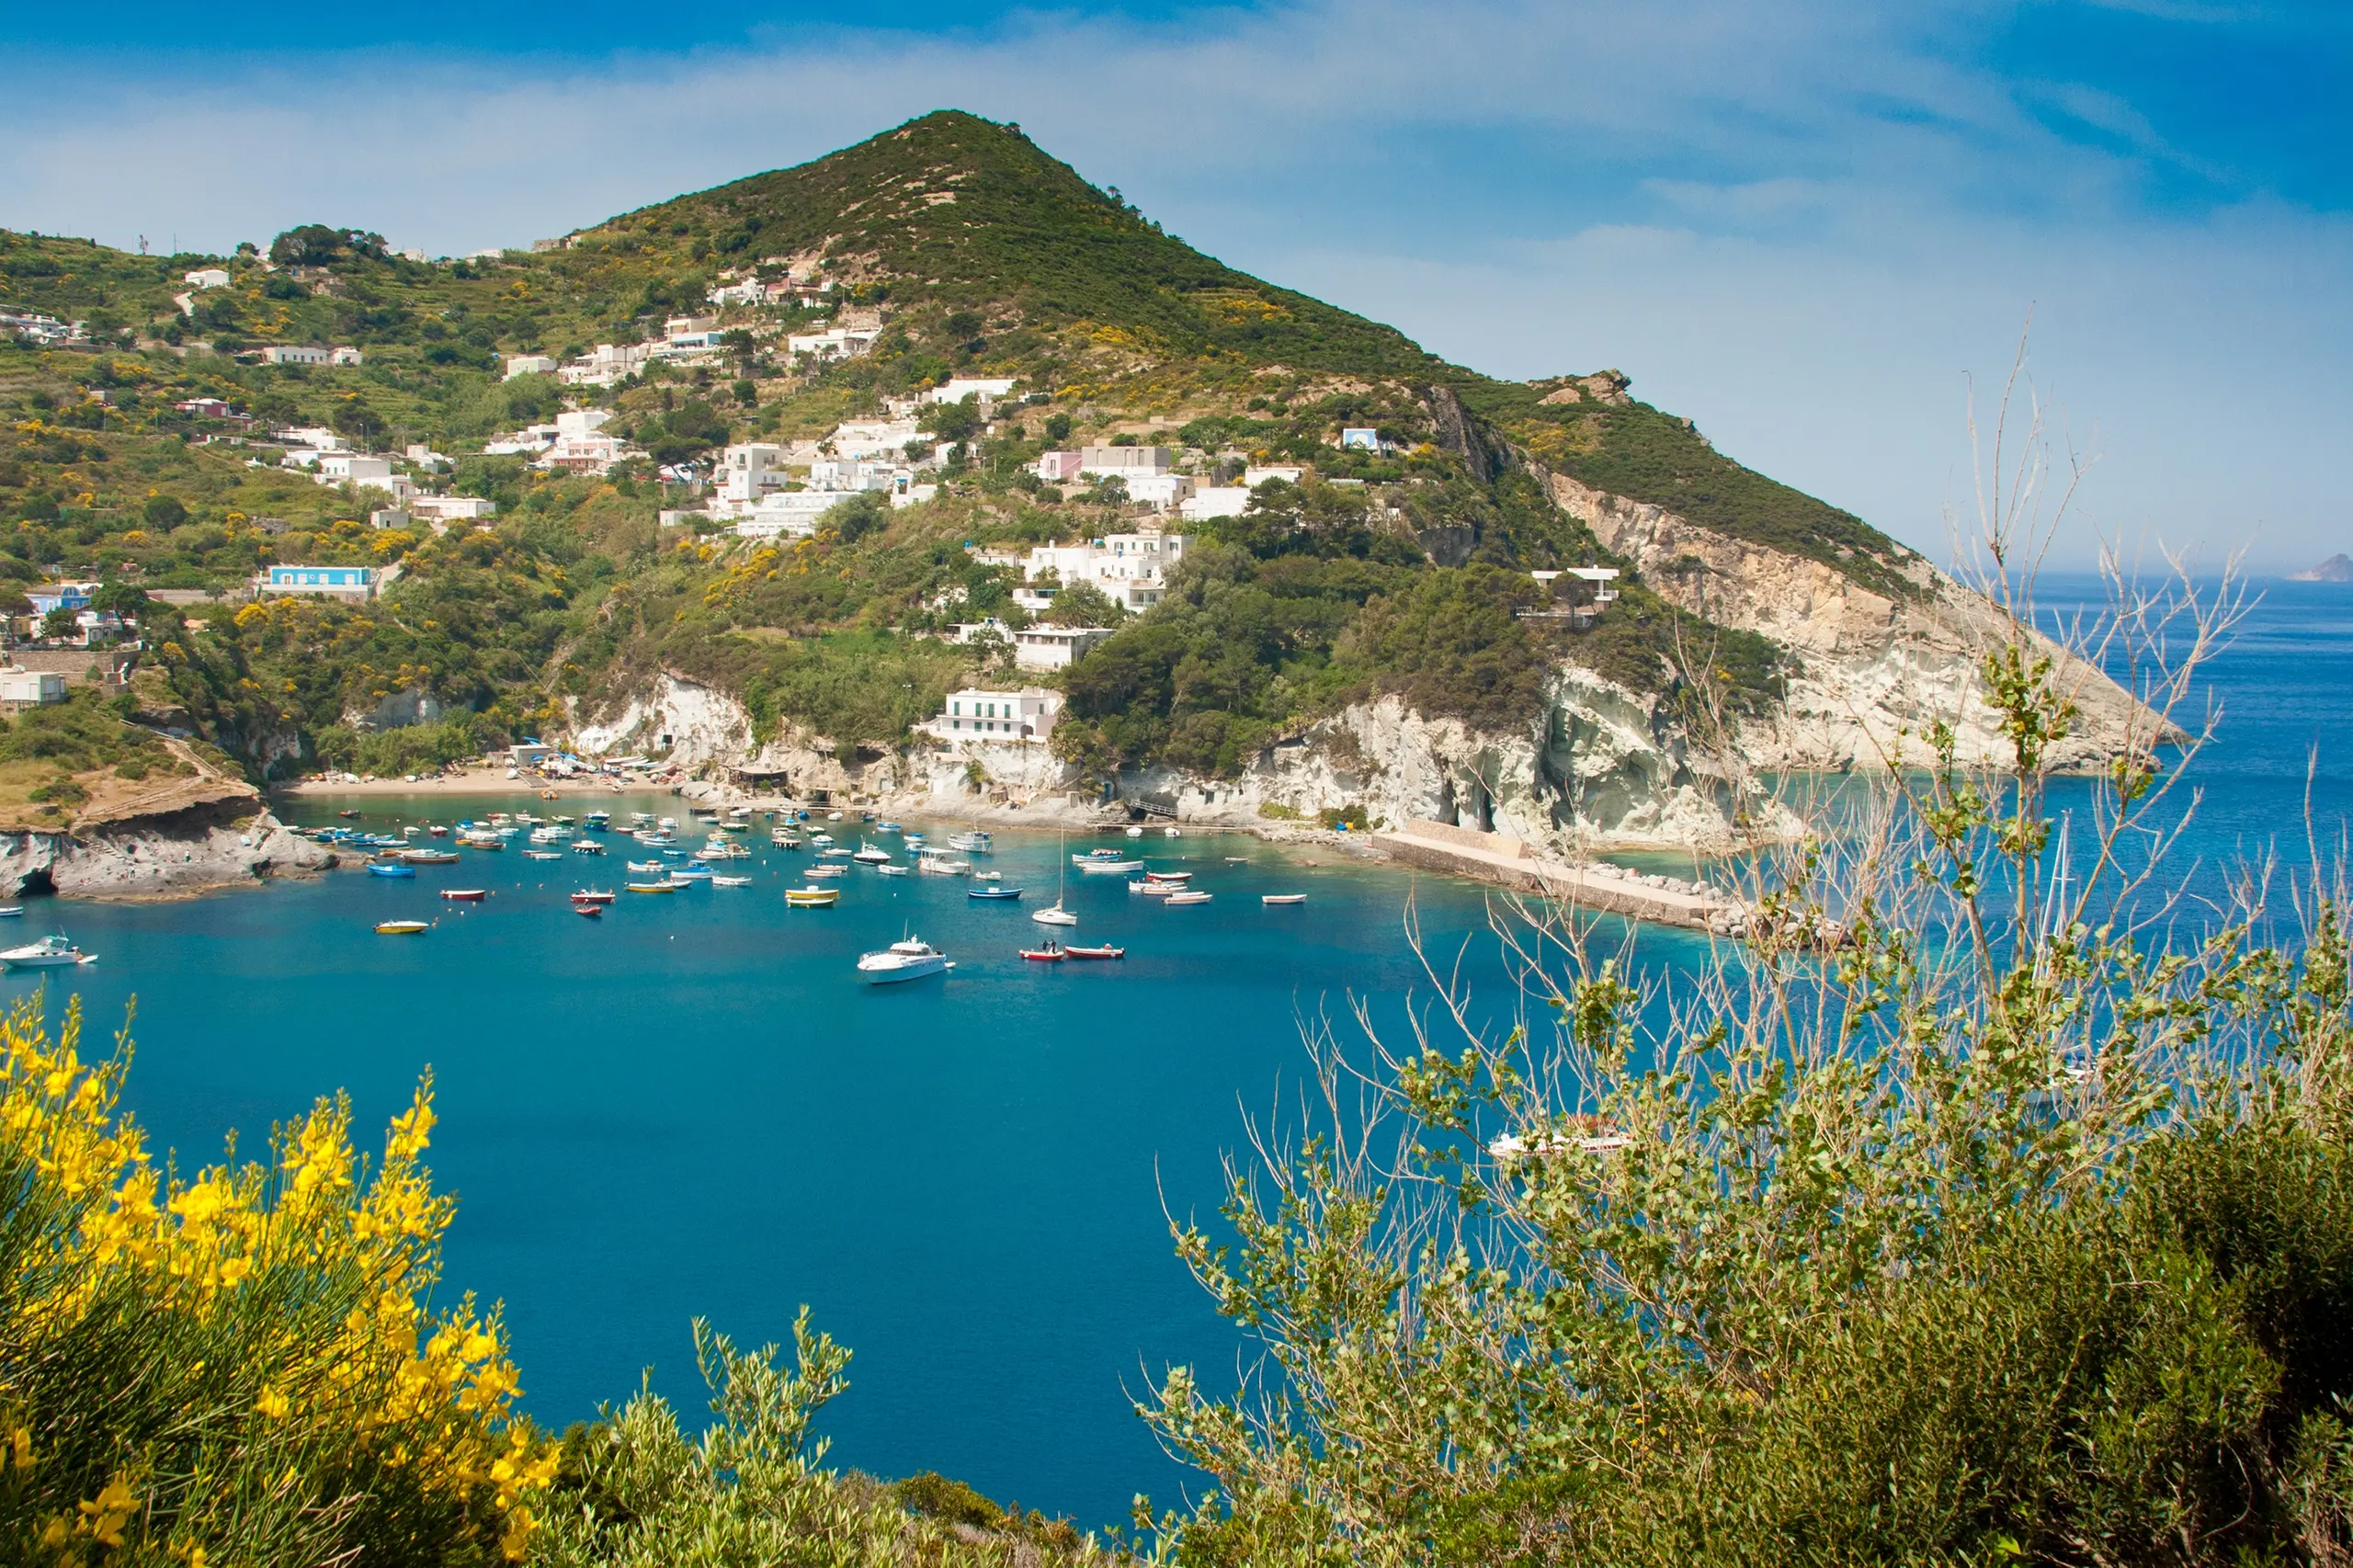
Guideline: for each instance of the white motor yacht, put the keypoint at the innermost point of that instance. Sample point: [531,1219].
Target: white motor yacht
[910,960]
[50,952]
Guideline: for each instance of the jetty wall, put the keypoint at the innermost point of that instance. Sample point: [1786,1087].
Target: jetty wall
[1510,862]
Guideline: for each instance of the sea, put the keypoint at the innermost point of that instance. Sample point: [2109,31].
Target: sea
[691,1108]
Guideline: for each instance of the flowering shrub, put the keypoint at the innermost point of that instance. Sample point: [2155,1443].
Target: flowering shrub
[243,1361]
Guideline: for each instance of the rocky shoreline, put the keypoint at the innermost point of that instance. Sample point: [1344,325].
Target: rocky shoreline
[175,855]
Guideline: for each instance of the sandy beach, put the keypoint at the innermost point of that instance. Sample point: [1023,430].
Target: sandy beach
[475,781]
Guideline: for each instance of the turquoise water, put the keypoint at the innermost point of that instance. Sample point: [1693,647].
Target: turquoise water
[692,1107]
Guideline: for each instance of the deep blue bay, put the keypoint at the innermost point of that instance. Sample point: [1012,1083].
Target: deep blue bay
[691,1107]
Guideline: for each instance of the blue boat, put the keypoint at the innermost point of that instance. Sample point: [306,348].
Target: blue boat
[993,892]
[378,868]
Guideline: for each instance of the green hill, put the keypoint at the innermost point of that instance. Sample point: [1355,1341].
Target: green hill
[979,254]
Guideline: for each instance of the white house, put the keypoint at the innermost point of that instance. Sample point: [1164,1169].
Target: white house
[748,472]
[346,355]
[450,508]
[1158,491]
[792,512]
[207,278]
[956,389]
[1359,438]
[833,343]
[1054,647]
[1124,462]
[608,364]
[1003,718]
[1213,501]
[30,689]
[292,353]
[870,438]
[354,468]
[528,365]
[1056,467]
[1254,477]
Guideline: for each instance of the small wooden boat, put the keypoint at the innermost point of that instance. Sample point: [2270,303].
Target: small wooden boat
[811,898]
[437,831]
[430,856]
[11,911]
[647,867]
[730,881]
[892,870]
[1188,896]
[402,928]
[541,855]
[592,895]
[465,895]
[346,814]
[1004,894]
[1283,898]
[1051,953]
[389,869]
[1105,951]
[651,887]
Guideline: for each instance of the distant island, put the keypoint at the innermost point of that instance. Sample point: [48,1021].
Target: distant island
[2336,569]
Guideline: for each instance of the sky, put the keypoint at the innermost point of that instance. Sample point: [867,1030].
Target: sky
[1818,229]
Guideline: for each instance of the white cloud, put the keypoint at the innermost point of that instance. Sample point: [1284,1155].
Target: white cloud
[1800,224]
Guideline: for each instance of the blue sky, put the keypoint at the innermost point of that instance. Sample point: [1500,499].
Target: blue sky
[1805,225]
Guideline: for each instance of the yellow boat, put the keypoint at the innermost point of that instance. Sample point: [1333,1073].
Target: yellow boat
[400,927]
[651,887]
[811,898]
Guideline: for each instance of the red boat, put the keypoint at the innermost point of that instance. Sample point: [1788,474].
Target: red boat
[592,911]
[589,895]
[465,895]
[1050,953]
[1102,952]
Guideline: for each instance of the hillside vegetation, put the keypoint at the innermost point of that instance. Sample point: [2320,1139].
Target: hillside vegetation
[977,253]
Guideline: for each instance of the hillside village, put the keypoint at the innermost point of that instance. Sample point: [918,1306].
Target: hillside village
[828,472]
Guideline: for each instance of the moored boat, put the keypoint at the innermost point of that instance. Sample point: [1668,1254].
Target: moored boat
[1105,951]
[651,887]
[1051,953]
[1053,914]
[1096,866]
[1282,898]
[888,870]
[730,881]
[942,864]
[593,911]
[50,952]
[389,869]
[987,892]
[541,855]
[866,855]
[402,928]
[430,856]
[834,868]
[1189,895]
[811,898]
[592,895]
[974,842]
[465,895]
[910,960]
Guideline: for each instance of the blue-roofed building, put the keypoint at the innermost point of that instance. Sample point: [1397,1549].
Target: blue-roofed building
[333,582]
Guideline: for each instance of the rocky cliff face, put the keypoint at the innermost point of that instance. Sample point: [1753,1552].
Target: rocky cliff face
[175,855]
[1873,671]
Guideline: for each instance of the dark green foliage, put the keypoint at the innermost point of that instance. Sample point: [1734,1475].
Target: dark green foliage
[951,1502]
[316,245]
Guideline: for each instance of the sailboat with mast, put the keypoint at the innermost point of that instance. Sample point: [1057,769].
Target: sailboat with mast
[1055,914]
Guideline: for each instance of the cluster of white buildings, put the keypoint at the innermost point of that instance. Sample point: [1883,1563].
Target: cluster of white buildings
[684,339]
[43,331]
[1130,569]
[331,460]
[1146,474]
[576,442]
